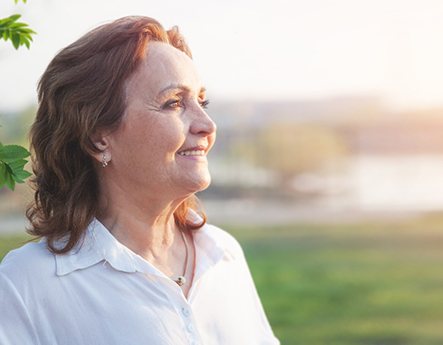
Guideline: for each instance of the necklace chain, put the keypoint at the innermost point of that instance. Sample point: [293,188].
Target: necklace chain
[181,280]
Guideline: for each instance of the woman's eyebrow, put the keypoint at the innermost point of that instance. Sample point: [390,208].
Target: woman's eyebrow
[180,87]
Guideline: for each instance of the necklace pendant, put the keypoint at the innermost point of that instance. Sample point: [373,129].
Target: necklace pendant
[181,281]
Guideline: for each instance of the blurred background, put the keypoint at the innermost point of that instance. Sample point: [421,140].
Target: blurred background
[329,159]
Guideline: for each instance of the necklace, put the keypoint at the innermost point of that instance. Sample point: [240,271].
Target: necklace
[181,280]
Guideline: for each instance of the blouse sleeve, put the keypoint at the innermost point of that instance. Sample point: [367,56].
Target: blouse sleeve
[15,324]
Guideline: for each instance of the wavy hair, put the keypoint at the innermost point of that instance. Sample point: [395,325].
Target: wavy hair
[81,92]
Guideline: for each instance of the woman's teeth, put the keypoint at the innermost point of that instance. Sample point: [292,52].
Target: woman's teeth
[192,153]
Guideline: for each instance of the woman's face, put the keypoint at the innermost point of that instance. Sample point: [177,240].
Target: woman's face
[165,134]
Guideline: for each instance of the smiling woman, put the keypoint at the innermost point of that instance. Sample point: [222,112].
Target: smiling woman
[165,133]
[125,254]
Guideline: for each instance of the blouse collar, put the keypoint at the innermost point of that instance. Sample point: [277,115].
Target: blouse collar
[100,246]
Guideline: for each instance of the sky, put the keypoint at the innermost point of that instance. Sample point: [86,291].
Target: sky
[260,50]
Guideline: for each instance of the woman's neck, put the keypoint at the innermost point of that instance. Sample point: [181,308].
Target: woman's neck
[146,226]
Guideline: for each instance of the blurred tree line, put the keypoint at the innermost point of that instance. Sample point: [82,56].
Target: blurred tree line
[290,149]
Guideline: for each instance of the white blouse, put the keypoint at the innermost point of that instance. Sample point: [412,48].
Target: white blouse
[102,293]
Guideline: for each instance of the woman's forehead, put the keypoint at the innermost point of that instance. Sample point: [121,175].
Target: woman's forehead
[166,68]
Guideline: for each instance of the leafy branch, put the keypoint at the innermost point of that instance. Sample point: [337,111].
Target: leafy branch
[17,32]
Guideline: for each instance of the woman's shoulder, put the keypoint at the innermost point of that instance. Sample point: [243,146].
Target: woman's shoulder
[32,260]
[225,239]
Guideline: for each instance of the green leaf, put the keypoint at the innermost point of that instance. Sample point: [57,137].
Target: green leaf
[3,173]
[12,163]
[10,183]
[22,40]
[15,38]
[18,25]
[27,31]
[21,176]
[17,165]
[9,20]
[15,17]
[14,170]
[11,153]
[8,178]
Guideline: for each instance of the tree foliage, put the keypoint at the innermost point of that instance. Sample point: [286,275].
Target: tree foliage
[17,32]
[291,149]
[13,157]
[12,163]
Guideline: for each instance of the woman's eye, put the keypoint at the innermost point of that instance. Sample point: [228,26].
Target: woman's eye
[204,104]
[173,104]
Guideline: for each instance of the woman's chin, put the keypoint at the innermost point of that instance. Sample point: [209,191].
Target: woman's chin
[198,185]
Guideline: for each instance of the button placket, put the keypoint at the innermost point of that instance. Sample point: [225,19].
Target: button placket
[188,320]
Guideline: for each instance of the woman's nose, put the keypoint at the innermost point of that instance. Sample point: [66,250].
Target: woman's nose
[202,124]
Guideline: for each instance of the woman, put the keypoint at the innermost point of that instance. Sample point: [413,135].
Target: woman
[125,257]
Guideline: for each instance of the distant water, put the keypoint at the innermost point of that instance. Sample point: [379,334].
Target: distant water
[397,183]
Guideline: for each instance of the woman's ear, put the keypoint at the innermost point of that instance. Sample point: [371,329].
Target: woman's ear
[101,151]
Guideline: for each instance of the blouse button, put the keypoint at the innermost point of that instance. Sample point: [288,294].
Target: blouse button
[185,311]
[190,328]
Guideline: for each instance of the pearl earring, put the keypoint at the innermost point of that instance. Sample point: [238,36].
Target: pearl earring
[104,160]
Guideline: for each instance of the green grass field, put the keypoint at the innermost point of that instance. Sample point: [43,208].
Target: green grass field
[370,284]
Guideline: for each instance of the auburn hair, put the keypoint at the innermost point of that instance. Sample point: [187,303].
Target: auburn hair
[81,92]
